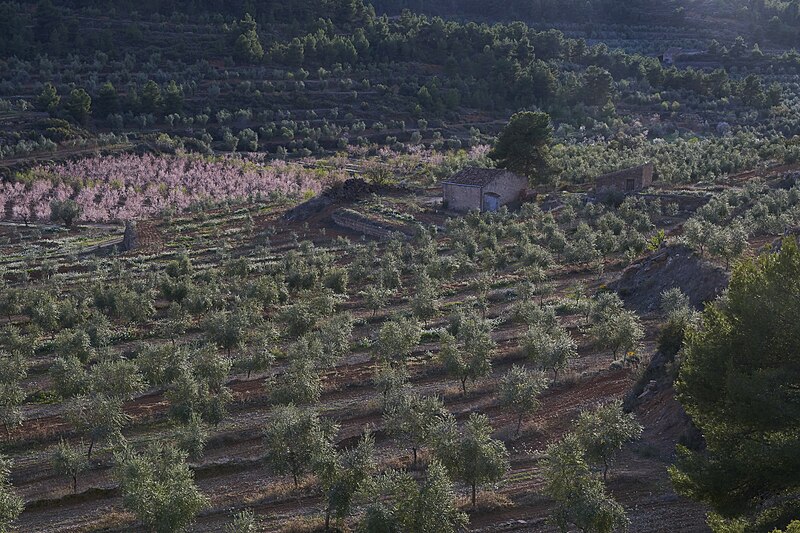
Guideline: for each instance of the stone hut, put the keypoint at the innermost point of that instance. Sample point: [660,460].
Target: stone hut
[625,181]
[670,55]
[484,189]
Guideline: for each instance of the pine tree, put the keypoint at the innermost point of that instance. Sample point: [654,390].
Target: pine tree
[172,98]
[248,45]
[524,145]
[48,100]
[735,381]
[151,98]
[107,100]
[79,105]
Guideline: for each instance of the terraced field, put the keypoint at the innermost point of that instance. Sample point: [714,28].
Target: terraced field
[232,472]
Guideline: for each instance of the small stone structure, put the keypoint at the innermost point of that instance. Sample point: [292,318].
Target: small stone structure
[624,181]
[484,189]
[670,55]
[129,238]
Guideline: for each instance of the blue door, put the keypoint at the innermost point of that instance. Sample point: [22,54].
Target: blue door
[491,201]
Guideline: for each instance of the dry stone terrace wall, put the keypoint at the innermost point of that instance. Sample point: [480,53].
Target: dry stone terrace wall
[354,221]
[686,202]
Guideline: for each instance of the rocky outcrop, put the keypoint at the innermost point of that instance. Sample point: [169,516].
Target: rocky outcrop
[348,191]
[642,283]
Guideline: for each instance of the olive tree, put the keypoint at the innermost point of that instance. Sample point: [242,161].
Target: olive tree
[199,385]
[680,314]
[549,350]
[345,476]
[697,233]
[467,346]
[376,297]
[190,395]
[519,391]
[11,504]
[297,440]
[403,504]
[334,335]
[300,384]
[424,303]
[159,487]
[100,416]
[176,322]
[116,377]
[192,437]
[74,343]
[230,329]
[676,305]
[620,332]
[397,338]
[580,496]
[69,376]
[728,242]
[160,363]
[69,461]
[245,521]
[603,431]
[66,211]
[469,356]
[13,369]
[259,355]
[471,456]
[412,418]
[390,380]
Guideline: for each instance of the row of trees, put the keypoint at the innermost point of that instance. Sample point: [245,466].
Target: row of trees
[80,106]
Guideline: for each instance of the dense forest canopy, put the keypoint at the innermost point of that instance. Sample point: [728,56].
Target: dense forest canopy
[618,11]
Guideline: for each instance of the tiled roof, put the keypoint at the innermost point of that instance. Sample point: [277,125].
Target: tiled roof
[476,177]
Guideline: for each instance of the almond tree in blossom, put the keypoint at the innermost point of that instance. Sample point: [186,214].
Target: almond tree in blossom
[138,186]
